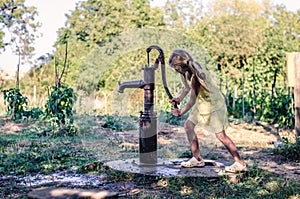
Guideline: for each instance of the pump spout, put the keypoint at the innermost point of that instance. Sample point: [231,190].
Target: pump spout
[131,84]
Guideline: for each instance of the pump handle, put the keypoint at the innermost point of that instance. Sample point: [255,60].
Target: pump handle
[161,58]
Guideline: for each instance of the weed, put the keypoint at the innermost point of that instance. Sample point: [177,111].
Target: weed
[16,103]
[186,154]
[119,123]
[290,150]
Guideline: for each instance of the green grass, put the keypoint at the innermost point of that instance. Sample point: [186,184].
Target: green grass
[33,150]
[256,184]
[29,151]
[26,152]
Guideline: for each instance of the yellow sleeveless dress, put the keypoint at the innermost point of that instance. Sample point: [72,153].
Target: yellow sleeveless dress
[209,111]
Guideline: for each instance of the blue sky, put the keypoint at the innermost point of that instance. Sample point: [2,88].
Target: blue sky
[52,17]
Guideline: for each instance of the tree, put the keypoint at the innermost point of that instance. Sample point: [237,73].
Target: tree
[18,26]
[232,32]
[247,41]
[181,14]
[95,21]
[281,36]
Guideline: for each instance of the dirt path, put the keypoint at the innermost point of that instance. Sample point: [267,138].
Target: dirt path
[256,143]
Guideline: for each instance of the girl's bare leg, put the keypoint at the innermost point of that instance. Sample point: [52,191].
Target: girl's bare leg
[189,128]
[228,143]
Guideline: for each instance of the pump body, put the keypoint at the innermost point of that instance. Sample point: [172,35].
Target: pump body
[148,118]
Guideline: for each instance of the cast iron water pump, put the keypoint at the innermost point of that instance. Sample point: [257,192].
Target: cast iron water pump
[148,118]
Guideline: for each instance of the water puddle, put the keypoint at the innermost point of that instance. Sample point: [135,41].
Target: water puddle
[72,179]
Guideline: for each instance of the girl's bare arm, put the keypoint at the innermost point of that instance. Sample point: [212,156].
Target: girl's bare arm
[193,96]
[186,89]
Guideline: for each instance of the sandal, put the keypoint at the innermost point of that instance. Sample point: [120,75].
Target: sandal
[193,162]
[236,167]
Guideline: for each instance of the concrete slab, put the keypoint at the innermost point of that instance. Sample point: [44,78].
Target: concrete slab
[170,168]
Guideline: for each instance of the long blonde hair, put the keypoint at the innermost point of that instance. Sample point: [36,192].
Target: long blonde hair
[184,59]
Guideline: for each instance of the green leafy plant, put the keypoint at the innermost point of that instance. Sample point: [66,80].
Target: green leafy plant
[16,103]
[59,106]
[279,110]
[34,113]
[290,150]
[275,110]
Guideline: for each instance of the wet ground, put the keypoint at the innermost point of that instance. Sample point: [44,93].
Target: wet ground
[71,178]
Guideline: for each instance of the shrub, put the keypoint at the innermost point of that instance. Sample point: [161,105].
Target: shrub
[16,103]
[290,150]
[59,106]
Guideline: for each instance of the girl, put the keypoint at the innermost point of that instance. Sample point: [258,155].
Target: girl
[209,108]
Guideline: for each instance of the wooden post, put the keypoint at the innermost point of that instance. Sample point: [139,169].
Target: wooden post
[293,78]
[297,92]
